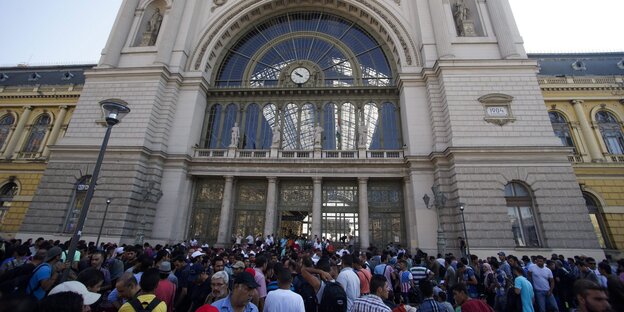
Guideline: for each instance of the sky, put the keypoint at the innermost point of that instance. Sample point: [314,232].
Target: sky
[46,32]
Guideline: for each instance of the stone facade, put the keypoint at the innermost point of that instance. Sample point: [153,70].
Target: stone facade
[440,85]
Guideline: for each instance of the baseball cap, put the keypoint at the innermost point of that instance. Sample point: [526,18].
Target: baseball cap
[164,267]
[88,297]
[53,252]
[246,279]
[197,254]
[239,265]
[196,269]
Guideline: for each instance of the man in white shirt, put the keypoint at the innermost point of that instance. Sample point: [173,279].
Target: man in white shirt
[543,284]
[349,280]
[283,299]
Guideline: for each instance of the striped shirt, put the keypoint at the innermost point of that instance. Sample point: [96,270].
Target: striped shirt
[369,303]
[430,305]
[419,274]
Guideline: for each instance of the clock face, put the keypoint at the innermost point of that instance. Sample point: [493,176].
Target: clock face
[300,75]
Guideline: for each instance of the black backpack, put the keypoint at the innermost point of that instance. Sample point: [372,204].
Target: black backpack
[334,298]
[306,291]
[15,282]
[138,305]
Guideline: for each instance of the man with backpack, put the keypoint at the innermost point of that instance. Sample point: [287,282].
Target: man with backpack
[45,275]
[349,280]
[388,271]
[146,300]
[330,296]
[14,282]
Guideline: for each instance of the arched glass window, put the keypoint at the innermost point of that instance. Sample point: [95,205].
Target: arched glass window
[37,134]
[330,113]
[6,123]
[611,131]
[339,53]
[7,192]
[345,127]
[252,121]
[75,204]
[214,120]
[308,123]
[269,121]
[231,116]
[520,212]
[561,127]
[390,121]
[597,220]
[370,123]
[290,129]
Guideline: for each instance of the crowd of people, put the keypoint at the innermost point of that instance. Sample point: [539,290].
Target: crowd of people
[295,274]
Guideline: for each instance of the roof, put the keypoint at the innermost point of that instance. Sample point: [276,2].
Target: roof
[580,64]
[43,75]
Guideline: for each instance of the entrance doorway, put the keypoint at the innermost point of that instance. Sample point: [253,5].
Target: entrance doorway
[295,223]
[339,226]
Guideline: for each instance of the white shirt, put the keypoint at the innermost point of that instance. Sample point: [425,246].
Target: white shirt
[282,300]
[540,277]
[250,239]
[350,282]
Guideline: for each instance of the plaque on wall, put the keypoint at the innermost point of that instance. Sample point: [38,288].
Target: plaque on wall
[497,108]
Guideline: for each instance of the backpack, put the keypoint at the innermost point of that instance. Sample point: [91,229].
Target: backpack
[138,305]
[15,281]
[306,291]
[334,298]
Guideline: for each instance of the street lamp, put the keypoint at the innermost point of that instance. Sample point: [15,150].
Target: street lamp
[114,110]
[462,206]
[439,201]
[97,243]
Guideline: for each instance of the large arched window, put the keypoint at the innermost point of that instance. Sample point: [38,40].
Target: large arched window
[37,134]
[213,126]
[611,131]
[336,52]
[597,220]
[6,123]
[561,127]
[520,212]
[7,192]
[75,204]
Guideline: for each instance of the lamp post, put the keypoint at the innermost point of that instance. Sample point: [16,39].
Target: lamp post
[462,206]
[97,242]
[439,201]
[114,110]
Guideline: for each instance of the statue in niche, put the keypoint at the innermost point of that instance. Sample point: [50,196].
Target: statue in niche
[235,135]
[277,136]
[461,14]
[152,28]
[362,135]
[318,135]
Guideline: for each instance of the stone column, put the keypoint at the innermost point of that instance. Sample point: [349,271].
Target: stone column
[586,130]
[271,207]
[56,130]
[226,211]
[441,29]
[502,22]
[17,133]
[363,214]
[317,202]
[168,31]
[119,34]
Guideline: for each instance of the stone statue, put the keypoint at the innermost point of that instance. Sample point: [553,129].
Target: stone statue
[152,29]
[318,135]
[235,135]
[461,11]
[277,137]
[362,136]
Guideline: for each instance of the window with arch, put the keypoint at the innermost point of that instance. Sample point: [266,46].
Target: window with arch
[337,53]
[7,192]
[6,123]
[561,127]
[597,220]
[520,211]
[75,204]
[37,134]
[611,130]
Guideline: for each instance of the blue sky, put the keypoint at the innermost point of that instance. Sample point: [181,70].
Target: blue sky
[40,32]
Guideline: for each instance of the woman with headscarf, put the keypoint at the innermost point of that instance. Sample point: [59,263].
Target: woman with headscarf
[489,281]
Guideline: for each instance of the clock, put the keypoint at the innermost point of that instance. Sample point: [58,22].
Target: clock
[300,75]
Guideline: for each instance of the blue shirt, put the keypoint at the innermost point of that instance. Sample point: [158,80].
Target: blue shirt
[224,305]
[526,293]
[43,272]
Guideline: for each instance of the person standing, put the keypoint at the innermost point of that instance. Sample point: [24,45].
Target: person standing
[374,301]
[591,297]
[523,287]
[428,303]
[238,300]
[543,285]
[46,274]
[349,280]
[283,299]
